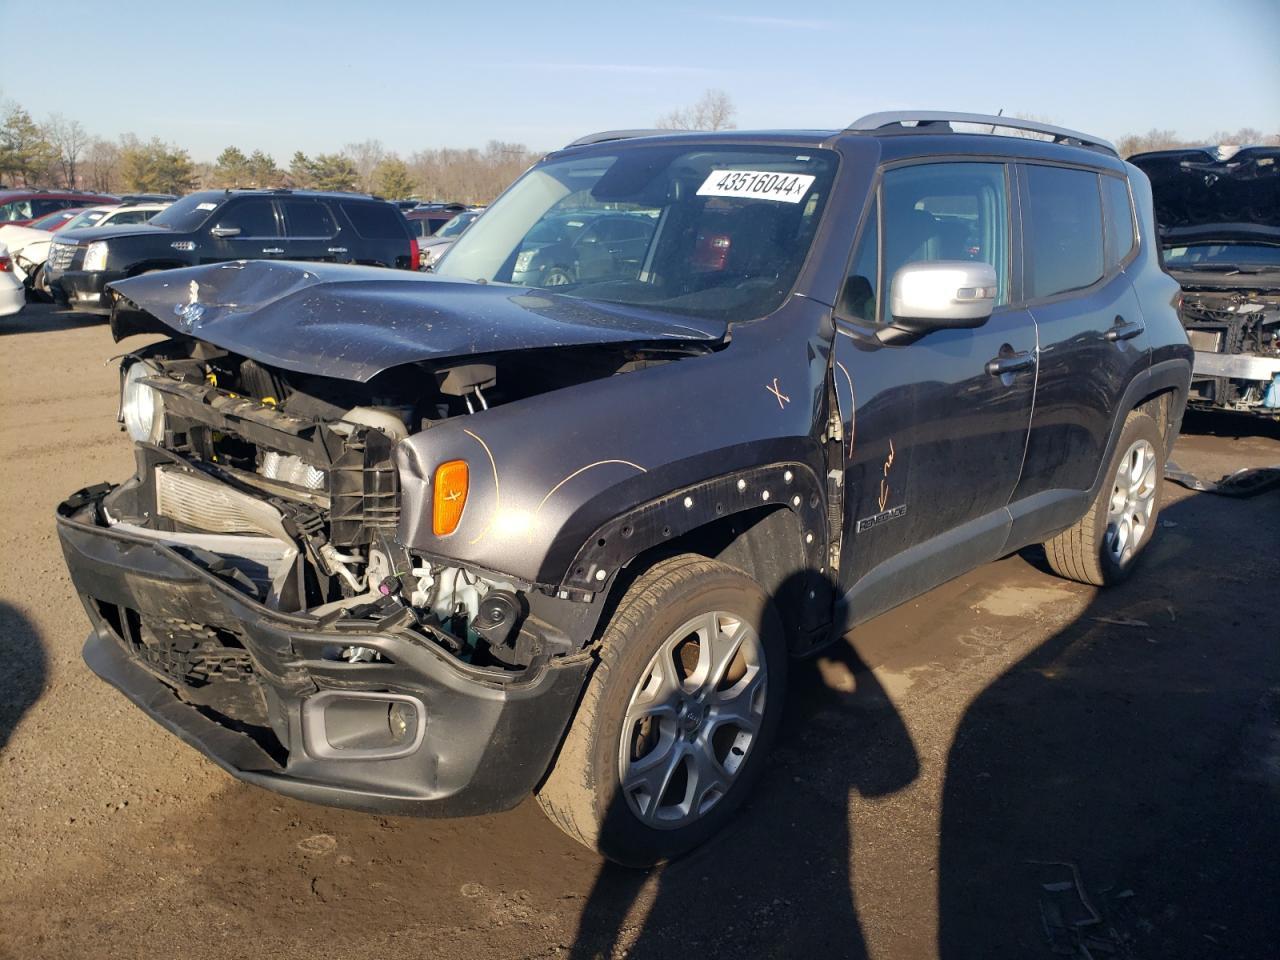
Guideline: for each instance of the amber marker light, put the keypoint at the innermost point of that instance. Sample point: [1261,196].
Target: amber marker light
[448,497]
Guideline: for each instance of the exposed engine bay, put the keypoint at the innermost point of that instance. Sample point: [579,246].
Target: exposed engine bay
[1244,328]
[284,485]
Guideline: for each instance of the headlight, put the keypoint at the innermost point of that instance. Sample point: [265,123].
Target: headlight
[141,407]
[523,260]
[95,256]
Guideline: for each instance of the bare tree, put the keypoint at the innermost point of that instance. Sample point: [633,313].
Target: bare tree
[101,158]
[365,157]
[69,139]
[714,111]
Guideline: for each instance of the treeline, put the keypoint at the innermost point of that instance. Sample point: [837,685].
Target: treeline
[61,153]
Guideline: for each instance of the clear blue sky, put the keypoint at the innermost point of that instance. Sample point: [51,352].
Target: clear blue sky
[313,76]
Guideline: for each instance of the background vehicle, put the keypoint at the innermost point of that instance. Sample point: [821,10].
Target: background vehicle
[218,225]
[473,538]
[432,248]
[426,219]
[30,248]
[585,246]
[20,206]
[1218,210]
[12,292]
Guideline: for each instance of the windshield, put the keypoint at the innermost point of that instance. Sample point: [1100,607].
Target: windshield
[1222,256]
[86,219]
[186,214]
[50,220]
[455,226]
[708,231]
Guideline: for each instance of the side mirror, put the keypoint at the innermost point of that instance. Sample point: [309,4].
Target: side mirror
[939,295]
[224,232]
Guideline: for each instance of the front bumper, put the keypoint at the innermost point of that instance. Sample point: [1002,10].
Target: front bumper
[1237,366]
[486,740]
[83,290]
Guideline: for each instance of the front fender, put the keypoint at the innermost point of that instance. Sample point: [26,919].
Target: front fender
[550,471]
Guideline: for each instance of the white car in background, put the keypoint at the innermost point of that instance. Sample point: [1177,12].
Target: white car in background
[29,248]
[12,293]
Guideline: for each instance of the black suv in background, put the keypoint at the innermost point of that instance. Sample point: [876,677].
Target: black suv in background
[212,226]
[427,543]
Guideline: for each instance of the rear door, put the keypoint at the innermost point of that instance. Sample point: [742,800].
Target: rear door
[1092,339]
[310,231]
[934,433]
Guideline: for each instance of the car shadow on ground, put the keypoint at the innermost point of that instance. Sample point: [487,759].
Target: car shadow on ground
[1117,789]
[1235,425]
[47,318]
[25,668]
[777,881]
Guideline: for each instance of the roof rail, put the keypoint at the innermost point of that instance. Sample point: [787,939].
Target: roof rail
[896,118]
[605,136]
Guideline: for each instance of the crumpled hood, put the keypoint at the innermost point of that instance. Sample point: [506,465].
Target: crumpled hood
[355,322]
[1206,193]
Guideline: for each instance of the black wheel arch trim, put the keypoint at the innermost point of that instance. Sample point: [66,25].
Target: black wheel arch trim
[788,484]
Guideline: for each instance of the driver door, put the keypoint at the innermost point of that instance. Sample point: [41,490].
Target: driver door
[934,434]
[258,236]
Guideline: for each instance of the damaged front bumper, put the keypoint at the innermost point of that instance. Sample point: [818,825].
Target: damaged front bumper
[262,694]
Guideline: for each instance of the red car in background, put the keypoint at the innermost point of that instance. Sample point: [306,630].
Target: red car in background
[20,206]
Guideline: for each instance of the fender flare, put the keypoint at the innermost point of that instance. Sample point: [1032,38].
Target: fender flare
[617,542]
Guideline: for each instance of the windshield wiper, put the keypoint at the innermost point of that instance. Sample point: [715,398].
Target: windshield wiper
[1227,268]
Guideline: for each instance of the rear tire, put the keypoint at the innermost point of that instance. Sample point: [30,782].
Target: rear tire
[1103,546]
[678,715]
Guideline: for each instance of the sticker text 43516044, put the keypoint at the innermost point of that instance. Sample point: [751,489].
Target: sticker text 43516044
[758,184]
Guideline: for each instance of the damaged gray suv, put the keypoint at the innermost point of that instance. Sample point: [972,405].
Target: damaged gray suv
[426,544]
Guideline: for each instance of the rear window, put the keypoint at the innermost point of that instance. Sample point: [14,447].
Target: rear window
[376,221]
[307,218]
[1064,232]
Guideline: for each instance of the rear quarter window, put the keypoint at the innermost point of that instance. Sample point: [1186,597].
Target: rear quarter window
[376,221]
[1119,210]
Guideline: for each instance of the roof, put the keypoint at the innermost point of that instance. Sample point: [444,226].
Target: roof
[285,192]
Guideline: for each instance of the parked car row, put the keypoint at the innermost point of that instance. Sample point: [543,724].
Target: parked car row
[29,245]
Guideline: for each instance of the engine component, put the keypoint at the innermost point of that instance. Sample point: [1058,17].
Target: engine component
[291,469]
[497,616]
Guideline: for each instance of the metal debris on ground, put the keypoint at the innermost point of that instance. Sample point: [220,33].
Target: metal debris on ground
[1121,621]
[1071,924]
[1248,482]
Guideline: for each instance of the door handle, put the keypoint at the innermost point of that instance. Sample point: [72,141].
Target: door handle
[1123,330]
[273,249]
[1011,363]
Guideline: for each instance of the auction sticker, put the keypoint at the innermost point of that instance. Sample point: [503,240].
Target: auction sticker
[757,184]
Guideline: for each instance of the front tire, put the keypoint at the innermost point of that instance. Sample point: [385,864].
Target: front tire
[676,720]
[1103,546]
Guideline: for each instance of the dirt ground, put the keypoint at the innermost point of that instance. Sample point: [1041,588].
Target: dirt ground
[968,776]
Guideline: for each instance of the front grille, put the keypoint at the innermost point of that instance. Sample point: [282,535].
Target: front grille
[206,665]
[61,255]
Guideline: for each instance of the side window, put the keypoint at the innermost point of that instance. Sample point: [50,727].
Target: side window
[130,216]
[946,211]
[254,217]
[40,207]
[1063,230]
[307,218]
[1119,211]
[858,301]
[375,220]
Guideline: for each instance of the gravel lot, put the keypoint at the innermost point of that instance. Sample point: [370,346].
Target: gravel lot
[967,776]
